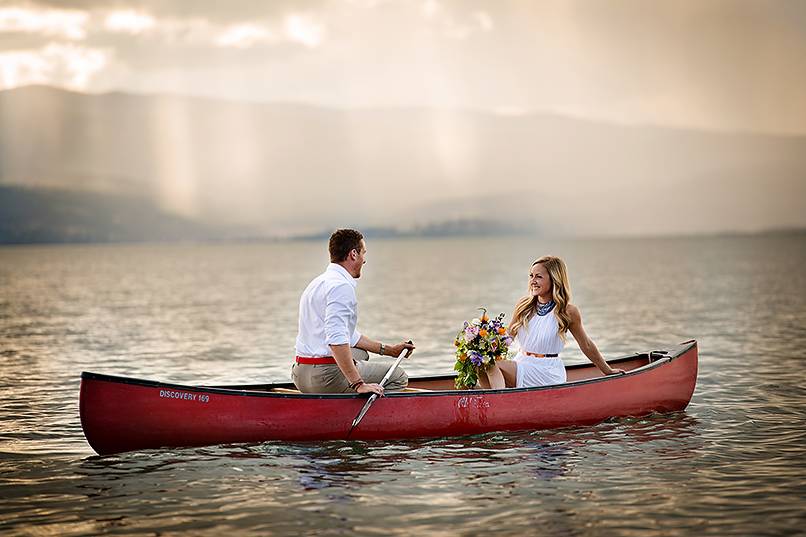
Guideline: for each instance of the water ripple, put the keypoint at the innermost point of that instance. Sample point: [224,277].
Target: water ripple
[731,464]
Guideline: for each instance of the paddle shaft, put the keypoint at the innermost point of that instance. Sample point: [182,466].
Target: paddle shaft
[383,382]
[388,374]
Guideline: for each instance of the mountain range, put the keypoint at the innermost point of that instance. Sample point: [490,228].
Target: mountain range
[164,167]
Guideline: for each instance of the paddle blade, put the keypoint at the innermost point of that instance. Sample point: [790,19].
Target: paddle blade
[363,412]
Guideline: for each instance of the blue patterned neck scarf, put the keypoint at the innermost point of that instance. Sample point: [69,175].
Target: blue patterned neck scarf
[544,309]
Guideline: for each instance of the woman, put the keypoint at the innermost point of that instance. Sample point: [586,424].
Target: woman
[539,324]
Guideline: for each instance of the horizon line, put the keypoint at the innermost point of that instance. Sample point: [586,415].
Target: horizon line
[766,232]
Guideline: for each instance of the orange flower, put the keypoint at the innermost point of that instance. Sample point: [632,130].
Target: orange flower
[502,331]
[462,357]
[484,318]
[455,342]
[483,333]
[498,357]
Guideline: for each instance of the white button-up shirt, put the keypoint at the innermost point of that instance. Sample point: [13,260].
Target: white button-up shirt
[328,313]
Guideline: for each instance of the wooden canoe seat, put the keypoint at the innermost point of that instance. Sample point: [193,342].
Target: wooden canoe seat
[285,390]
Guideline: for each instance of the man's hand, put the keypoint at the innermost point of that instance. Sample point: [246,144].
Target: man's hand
[395,350]
[370,388]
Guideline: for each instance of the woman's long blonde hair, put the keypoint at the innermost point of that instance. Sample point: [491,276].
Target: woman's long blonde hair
[526,307]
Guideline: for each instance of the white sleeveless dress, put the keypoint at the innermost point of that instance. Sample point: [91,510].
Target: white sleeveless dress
[540,336]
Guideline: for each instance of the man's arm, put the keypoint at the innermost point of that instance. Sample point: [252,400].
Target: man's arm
[339,308]
[370,345]
[344,359]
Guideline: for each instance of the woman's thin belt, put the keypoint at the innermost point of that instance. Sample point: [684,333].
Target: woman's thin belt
[315,360]
[536,355]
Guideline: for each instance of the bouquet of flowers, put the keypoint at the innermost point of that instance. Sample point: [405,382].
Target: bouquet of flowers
[479,344]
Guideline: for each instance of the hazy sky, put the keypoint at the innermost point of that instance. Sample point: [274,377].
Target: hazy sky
[718,64]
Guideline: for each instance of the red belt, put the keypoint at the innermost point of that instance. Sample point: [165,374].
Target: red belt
[315,360]
[540,355]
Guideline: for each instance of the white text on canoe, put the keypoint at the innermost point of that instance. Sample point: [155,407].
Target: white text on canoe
[187,396]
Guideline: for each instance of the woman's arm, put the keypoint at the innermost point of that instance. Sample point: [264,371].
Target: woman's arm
[586,344]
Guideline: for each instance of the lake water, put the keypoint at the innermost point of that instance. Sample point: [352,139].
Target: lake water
[733,463]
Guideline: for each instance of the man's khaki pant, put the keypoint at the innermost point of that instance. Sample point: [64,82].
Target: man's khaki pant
[328,378]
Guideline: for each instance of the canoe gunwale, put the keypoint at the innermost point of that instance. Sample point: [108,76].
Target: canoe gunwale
[658,358]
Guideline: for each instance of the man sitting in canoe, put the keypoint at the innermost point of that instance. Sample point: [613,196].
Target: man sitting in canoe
[327,341]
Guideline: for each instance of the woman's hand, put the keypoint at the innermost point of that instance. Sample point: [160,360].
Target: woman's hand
[615,372]
[370,388]
[395,350]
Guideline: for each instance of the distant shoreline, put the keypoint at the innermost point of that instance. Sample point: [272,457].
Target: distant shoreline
[406,235]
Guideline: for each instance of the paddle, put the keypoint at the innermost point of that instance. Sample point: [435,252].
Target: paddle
[374,396]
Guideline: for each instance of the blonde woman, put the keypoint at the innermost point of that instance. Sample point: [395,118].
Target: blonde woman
[539,324]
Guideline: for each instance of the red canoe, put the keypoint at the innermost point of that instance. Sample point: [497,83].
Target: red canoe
[123,414]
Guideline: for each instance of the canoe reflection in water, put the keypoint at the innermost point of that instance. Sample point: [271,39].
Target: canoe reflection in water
[546,455]
[548,472]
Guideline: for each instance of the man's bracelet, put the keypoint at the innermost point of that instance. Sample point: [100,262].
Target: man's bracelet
[382,349]
[355,385]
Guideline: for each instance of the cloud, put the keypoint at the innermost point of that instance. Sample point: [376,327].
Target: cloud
[455,23]
[243,36]
[431,9]
[484,20]
[304,29]
[67,24]
[128,47]
[215,11]
[69,65]
[129,21]
[20,68]
[722,64]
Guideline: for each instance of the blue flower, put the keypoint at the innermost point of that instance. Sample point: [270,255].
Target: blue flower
[475,358]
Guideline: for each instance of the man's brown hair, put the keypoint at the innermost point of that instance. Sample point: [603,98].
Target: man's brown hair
[342,242]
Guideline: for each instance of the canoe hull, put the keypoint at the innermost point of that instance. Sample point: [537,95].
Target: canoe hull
[119,414]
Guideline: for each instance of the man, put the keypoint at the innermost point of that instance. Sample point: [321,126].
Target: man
[328,340]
